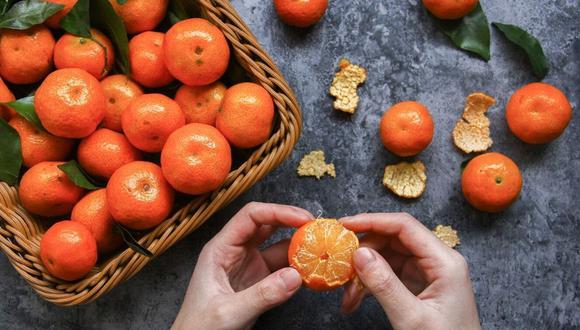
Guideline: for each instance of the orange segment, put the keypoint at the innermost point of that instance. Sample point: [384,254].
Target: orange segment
[322,251]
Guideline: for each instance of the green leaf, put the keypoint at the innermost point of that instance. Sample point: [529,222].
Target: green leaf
[27,13]
[471,33]
[531,45]
[11,155]
[77,176]
[78,20]
[105,18]
[121,2]
[177,11]
[4,5]
[25,107]
[132,242]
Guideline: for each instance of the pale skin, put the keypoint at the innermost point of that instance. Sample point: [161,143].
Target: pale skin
[418,280]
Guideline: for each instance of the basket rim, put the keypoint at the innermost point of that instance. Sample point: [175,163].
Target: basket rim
[20,233]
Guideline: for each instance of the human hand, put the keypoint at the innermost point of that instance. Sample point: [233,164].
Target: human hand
[234,282]
[422,284]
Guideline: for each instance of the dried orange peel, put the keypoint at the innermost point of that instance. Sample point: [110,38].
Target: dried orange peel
[322,251]
[344,86]
[447,235]
[314,164]
[471,133]
[407,180]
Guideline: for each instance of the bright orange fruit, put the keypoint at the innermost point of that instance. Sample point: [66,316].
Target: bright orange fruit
[68,250]
[141,15]
[538,113]
[138,195]
[146,58]
[196,52]
[6,96]
[93,212]
[322,251]
[450,9]
[246,115]
[303,13]
[407,128]
[491,182]
[119,92]
[54,20]
[39,146]
[200,104]
[26,55]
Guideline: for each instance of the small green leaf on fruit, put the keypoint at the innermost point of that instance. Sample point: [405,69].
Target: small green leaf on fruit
[78,20]
[104,17]
[27,13]
[74,172]
[11,155]
[25,107]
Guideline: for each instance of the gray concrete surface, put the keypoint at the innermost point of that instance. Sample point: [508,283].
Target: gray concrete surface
[525,262]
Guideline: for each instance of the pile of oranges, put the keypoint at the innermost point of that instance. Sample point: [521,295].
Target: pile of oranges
[145,145]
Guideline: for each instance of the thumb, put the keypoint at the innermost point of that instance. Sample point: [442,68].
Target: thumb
[270,292]
[379,278]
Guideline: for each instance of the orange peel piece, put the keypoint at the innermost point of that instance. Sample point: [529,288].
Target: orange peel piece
[345,84]
[471,133]
[447,235]
[314,164]
[407,180]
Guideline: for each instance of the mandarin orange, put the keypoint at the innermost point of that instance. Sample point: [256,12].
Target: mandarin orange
[119,92]
[96,55]
[146,58]
[406,129]
[200,104]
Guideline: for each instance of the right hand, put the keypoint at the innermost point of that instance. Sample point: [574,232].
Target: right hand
[422,284]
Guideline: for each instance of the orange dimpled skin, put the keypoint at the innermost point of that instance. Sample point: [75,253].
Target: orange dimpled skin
[104,151]
[200,104]
[301,13]
[149,121]
[322,251]
[45,190]
[196,159]
[140,15]
[39,146]
[68,250]
[93,212]
[246,115]
[196,52]
[146,58]
[26,55]
[138,196]
[70,103]
[538,113]
[491,182]
[450,9]
[54,20]
[407,128]
[119,92]
[94,56]
[6,96]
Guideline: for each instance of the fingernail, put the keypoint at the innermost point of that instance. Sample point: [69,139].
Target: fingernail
[362,258]
[291,278]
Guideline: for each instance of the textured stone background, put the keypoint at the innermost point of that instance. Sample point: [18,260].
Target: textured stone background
[525,262]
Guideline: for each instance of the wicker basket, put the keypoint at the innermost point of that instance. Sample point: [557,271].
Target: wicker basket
[20,234]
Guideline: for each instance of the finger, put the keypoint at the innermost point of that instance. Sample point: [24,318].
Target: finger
[266,294]
[352,298]
[243,226]
[381,281]
[276,255]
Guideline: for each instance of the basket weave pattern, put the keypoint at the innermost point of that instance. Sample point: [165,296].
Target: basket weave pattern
[20,233]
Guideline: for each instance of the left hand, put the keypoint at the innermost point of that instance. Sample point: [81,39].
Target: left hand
[234,282]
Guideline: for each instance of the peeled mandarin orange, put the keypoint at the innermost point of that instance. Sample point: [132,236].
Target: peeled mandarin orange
[119,92]
[322,251]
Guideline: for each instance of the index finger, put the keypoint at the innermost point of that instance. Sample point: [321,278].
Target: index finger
[243,227]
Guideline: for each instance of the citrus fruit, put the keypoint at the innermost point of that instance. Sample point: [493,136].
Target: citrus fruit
[45,190]
[104,151]
[538,113]
[321,251]
[94,56]
[26,55]
[119,92]
[246,115]
[54,20]
[138,196]
[70,103]
[93,212]
[450,9]
[68,250]
[196,52]
[140,15]
[6,96]
[406,129]
[196,159]
[39,146]
[200,104]
[146,58]
[302,13]
[491,182]
[150,119]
